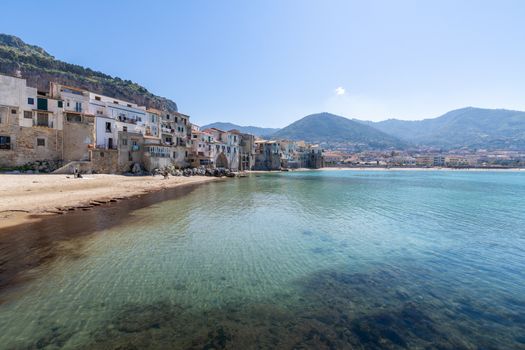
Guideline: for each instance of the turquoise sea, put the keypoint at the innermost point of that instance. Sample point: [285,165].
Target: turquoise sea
[298,260]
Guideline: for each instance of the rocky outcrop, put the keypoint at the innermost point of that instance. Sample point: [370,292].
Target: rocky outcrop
[39,68]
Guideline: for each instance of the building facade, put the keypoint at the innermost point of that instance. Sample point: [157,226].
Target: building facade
[84,131]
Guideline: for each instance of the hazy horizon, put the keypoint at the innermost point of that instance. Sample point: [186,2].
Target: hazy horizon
[270,63]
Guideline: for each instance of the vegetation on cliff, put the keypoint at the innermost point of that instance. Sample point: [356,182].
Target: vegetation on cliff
[39,68]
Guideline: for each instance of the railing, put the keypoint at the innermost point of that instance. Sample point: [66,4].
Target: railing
[159,155]
[126,120]
[107,146]
[43,123]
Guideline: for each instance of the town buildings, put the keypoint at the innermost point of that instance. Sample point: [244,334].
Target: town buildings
[72,129]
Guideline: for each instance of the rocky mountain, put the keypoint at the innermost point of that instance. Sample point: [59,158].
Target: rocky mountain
[254,130]
[467,127]
[331,129]
[39,68]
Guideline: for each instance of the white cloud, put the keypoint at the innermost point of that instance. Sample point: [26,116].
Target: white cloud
[340,91]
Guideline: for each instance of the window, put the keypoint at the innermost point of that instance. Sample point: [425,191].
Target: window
[5,142]
[30,101]
[97,98]
[102,154]
[115,102]
[78,107]
[60,104]
[13,111]
[40,142]
[42,119]
[108,127]
[129,105]
[124,142]
[28,114]
[41,104]
[125,128]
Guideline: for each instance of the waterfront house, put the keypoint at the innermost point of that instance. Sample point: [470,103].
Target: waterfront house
[31,124]
[77,129]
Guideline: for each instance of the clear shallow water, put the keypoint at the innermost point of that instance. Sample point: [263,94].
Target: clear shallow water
[340,259]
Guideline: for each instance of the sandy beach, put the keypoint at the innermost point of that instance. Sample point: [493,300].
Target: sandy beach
[24,196]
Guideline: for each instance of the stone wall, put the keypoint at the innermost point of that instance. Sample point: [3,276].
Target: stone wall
[25,147]
[78,135]
[104,161]
[151,163]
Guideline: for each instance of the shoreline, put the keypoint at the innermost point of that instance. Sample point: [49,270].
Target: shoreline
[29,198]
[423,169]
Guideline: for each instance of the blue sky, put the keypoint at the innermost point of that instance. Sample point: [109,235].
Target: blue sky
[271,62]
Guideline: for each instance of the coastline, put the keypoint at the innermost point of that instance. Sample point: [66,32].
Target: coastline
[422,169]
[27,198]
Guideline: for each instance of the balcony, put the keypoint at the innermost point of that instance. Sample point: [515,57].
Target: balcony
[108,145]
[126,120]
[43,121]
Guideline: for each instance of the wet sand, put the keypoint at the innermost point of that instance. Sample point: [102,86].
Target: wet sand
[26,198]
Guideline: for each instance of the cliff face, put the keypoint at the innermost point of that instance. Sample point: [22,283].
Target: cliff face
[39,68]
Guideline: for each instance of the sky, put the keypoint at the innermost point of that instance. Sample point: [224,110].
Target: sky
[271,62]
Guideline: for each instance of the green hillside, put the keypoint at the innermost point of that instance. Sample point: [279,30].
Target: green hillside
[39,68]
[330,128]
[467,127]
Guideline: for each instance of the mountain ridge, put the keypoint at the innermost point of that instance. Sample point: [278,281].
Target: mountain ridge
[327,127]
[469,127]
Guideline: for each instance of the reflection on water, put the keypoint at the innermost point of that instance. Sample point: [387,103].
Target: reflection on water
[320,260]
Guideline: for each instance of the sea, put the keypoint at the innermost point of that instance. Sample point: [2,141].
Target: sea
[336,259]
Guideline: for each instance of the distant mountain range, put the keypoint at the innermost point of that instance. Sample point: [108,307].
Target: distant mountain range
[469,127]
[330,128]
[472,128]
[39,68]
[254,130]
